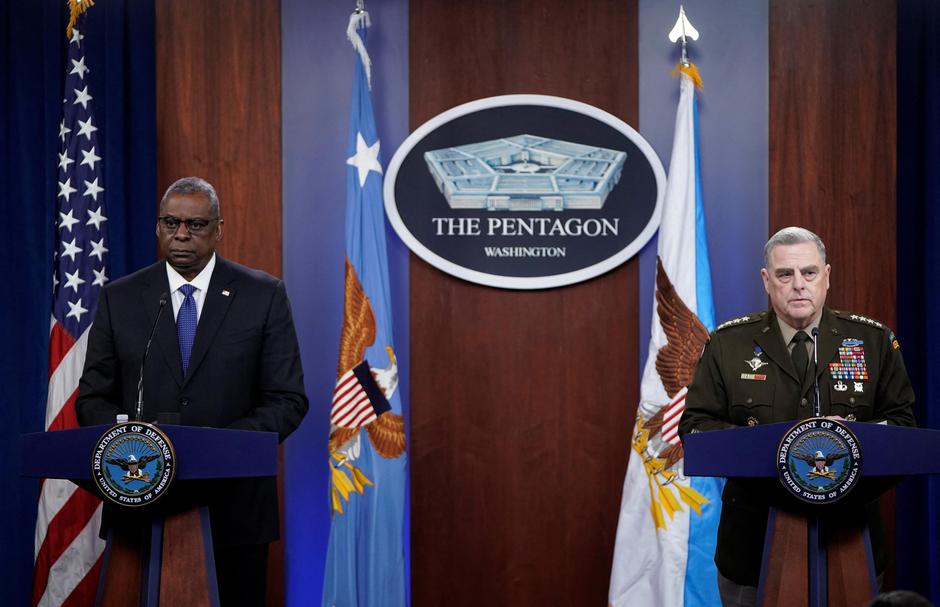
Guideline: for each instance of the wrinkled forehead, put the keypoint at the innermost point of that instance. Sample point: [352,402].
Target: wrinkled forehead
[795,256]
[195,204]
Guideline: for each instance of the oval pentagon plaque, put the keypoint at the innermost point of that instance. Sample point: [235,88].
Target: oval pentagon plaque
[525,191]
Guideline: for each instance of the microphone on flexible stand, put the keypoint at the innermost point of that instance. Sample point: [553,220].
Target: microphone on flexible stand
[140,382]
[816,406]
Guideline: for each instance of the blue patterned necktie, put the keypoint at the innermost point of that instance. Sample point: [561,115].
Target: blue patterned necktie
[186,324]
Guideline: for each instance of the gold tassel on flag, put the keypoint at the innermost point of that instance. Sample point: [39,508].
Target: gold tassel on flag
[689,70]
[76,8]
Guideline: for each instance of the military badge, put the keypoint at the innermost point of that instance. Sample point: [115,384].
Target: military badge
[133,464]
[756,363]
[819,460]
[851,363]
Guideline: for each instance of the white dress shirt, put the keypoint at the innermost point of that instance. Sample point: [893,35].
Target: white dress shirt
[201,282]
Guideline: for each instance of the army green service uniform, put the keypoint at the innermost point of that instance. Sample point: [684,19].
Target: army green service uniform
[746,377]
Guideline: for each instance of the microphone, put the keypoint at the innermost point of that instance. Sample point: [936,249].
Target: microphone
[816,406]
[140,382]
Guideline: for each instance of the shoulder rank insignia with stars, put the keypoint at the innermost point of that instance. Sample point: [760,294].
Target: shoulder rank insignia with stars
[739,321]
[862,319]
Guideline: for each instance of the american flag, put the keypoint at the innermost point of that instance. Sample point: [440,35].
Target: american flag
[68,550]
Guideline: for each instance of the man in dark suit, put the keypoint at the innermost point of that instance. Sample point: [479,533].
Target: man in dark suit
[224,354]
[757,369]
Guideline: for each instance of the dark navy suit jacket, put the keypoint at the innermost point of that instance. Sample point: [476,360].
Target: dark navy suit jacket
[244,372]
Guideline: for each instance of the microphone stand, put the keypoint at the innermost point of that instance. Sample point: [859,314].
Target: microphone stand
[816,405]
[140,383]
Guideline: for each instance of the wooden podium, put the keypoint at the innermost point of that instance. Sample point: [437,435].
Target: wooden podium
[160,554]
[813,557]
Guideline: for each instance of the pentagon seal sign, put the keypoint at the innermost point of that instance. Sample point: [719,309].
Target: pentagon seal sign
[524,191]
[133,464]
[819,460]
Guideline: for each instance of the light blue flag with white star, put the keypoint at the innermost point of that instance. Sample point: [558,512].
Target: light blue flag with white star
[365,564]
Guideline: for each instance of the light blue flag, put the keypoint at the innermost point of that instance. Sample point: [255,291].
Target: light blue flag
[700,572]
[365,564]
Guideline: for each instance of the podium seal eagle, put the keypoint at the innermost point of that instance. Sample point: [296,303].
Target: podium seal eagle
[133,464]
[819,460]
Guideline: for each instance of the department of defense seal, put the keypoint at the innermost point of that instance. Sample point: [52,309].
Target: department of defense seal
[133,464]
[819,460]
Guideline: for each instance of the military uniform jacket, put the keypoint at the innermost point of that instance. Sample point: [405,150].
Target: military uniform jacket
[746,377]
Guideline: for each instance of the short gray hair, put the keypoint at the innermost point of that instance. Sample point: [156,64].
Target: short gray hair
[793,235]
[194,185]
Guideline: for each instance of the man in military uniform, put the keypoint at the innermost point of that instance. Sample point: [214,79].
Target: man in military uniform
[758,369]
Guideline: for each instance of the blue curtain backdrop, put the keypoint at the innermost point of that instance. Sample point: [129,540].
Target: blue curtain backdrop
[120,50]
[918,499]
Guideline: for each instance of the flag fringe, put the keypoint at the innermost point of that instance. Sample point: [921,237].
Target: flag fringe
[76,8]
[691,71]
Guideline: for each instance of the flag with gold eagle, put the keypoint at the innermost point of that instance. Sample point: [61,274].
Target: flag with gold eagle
[365,563]
[668,522]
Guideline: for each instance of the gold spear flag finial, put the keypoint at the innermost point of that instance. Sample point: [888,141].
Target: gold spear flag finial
[684,31]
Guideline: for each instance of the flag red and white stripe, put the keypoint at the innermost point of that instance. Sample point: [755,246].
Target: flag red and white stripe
[351,405]
[67,548]
[672,415]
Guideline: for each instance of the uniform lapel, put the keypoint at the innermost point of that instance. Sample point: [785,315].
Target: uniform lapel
[164,338]
[214,307]
[829,339]
[771,342]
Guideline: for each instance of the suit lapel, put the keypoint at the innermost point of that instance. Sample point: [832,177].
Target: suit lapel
[214,307]
[164,338]
[771,342]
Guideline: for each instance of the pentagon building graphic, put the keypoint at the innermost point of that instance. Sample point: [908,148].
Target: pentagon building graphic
[525,173]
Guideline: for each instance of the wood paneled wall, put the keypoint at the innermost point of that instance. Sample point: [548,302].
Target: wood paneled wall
[832,140]
[219,118]
[833,106]
[219,115]
[521,402]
